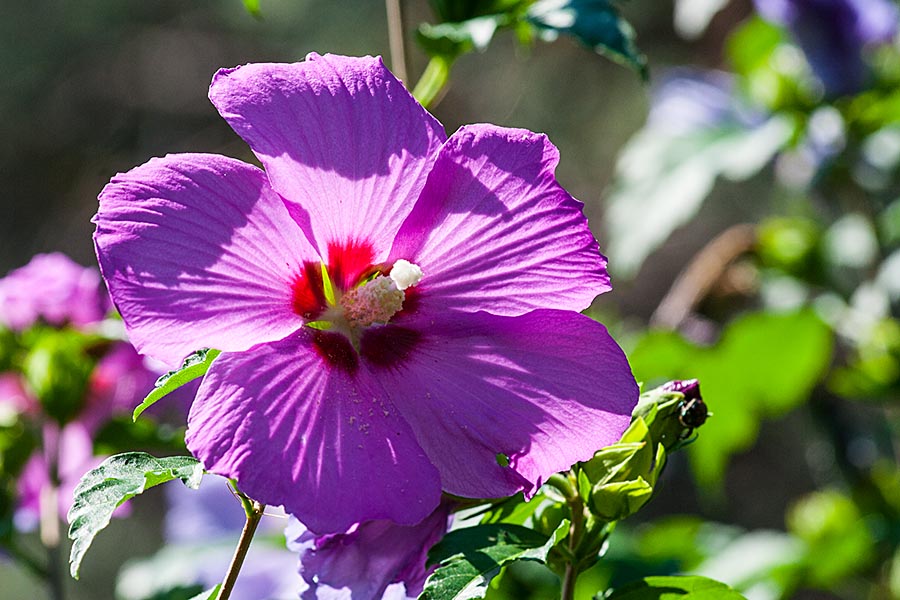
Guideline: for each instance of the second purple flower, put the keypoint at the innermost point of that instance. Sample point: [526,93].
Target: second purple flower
[397,311]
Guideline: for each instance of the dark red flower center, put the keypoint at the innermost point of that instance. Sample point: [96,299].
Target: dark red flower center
[349,302]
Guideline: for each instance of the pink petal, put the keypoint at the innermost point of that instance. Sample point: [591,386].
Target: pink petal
[546,389]
[199,252]
[341,139]
[494,231]
[316,436]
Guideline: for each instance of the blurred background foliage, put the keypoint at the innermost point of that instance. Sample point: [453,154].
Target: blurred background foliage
[746,194]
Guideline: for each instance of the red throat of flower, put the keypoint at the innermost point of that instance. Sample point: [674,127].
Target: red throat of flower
[350,302]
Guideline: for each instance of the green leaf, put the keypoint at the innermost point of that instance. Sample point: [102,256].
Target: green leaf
[514,510]
[116,480]
[208,594]
[662,179]
[764,365]
[469,558]
[675,588]
[595,23]
[450,40]
[194,366]
[839,542]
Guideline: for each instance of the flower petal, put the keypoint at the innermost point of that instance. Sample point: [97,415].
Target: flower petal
[316,436]
[545,389]
[494,231]
[341,139]
[198,251]
[362,563]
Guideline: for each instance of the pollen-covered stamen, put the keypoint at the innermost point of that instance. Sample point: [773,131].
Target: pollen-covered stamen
[381,298]
[405,274]
[375,302]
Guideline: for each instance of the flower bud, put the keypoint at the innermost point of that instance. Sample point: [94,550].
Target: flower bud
[672,411]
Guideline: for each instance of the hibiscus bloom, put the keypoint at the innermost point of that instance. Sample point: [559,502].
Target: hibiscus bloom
[54,289]
[379,293]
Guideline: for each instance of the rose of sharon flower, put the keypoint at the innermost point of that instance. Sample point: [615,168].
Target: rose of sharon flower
[397,310]
[53,288]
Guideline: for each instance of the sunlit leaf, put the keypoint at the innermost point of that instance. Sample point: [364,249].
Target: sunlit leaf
[194,366]
[115,481]
[469,558]
[450,40]
[595,23]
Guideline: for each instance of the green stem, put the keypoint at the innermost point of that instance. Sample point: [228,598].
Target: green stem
[395,38]
[576,531]
[433,80]
[254,511]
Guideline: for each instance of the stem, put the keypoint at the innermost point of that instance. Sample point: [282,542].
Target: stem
[433,80]
[576,530]
[395,37]
[254,514]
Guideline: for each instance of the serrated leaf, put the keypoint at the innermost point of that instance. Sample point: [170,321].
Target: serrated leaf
[469,558]
[116,480]
[595,23]
[676,588]
[194,366]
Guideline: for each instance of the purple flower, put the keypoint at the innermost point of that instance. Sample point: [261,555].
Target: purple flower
[364,562]
[379,296]
[833,35]
[53,288]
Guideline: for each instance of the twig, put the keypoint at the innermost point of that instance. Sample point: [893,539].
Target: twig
[695,281]
[395,37]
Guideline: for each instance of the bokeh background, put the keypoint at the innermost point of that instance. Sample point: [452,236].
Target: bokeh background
[95,87]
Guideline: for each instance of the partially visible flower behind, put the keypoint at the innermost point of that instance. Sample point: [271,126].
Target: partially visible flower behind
[54,289]
[53,298]
[372,560]
[834,35]
[397,311]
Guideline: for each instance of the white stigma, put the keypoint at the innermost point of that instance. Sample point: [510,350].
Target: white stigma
[380,299]
[405,274]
